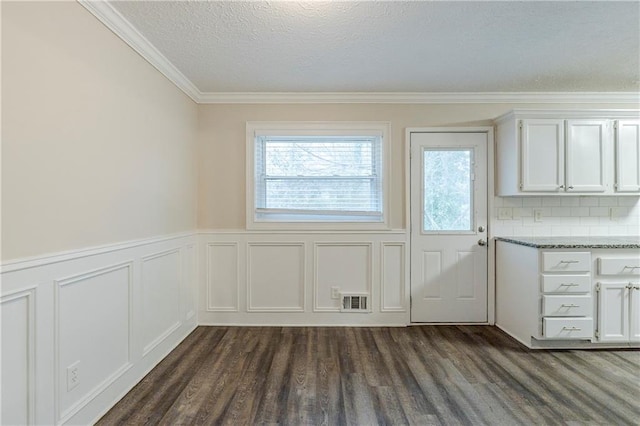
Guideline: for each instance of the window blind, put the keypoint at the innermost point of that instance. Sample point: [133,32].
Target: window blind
[312,177]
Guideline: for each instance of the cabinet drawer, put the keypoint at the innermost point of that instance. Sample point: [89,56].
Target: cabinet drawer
[620,266]
[567,306]
[568,328]
[566,283]
[566,261]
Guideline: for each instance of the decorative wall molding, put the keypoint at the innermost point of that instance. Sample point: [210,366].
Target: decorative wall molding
[168,331]
[209,278]
[91,292]
[384,284]
[190,260]
[352,262]
[316,271]
[29,294]
[51,258]
[300,278]
[63,416]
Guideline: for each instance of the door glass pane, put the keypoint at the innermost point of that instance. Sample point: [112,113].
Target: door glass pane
[447,190]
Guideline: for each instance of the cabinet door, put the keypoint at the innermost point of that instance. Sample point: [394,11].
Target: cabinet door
[627,156]
[542,155]
[586,152]
[613,312]
[634,312]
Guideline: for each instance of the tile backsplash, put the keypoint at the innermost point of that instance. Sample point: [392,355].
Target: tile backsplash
[566,216]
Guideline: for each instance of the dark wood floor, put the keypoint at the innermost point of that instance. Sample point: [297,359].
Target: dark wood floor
[426,375]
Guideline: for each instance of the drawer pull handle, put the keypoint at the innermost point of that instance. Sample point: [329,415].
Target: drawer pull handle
[569,261]
[572,328]
[569,305]
[569,285]
[631,267]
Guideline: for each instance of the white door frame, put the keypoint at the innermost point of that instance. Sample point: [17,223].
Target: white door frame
[491,250]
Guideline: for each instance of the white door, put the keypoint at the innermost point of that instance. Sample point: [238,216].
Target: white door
[613,312]
[448,226]
[542,155]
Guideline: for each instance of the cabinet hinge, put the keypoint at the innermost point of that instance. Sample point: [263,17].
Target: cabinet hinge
[520,186]
[597,334]
[598,286]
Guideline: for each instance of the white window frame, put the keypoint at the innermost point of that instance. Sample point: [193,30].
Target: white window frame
[312,128]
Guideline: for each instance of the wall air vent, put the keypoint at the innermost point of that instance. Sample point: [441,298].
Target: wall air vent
[354,302]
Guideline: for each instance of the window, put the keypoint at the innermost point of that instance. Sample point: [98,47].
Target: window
[327,174]
[448,190]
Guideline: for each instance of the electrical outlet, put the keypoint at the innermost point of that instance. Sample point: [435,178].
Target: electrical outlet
[537,215]
[335,292]
[505,213]
[73,376]
[615,213]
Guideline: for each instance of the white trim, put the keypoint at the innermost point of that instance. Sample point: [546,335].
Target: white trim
[150,346]
[63,416]
[416,97]
[310,324]
[302,282]
[301,231]
[28,293]
[403,276]
[209,280]
[316,246]
[47,259]
[113,20]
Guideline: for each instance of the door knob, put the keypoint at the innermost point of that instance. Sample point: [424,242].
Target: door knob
[482,242]
[481,228]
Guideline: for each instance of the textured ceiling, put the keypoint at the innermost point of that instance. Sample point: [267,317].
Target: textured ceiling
[396,46]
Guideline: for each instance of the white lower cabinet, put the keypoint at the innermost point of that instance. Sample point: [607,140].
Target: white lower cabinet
[618,299]
[561,298]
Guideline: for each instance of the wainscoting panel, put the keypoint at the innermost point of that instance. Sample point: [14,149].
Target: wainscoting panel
[160,291]
[275,277]
[83,303]
[190,274]
[222,277]
[18,326]
[286,278]
[75,325]
[343,265]
[393,278]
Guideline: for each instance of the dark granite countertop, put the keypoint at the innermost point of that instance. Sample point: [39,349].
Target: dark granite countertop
[575,242]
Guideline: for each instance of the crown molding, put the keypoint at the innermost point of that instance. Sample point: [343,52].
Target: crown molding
[112,19]
[418,97]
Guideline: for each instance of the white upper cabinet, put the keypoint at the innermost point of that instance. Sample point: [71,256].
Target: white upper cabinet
[627,148]
[567,153]
[586,150]
[542,155]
